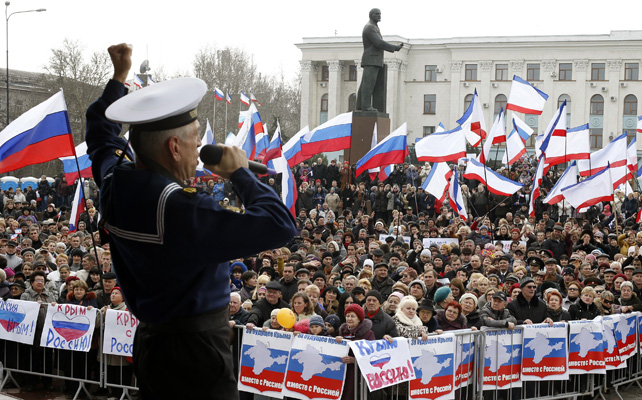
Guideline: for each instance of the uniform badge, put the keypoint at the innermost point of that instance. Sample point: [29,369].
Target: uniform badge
[231,208]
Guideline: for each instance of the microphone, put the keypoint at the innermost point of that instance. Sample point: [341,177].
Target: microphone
[212,154]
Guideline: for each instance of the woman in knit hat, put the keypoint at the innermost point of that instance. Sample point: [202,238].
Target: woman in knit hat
[391,305]
[356,327]
[442,297]
[407,322]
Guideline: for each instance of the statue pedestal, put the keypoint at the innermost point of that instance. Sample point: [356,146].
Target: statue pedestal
[363,123]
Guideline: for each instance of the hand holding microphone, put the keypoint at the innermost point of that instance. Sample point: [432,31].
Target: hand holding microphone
[224,160]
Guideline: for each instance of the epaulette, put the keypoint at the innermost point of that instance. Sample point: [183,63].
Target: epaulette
[119,153]
[190,191]
[231,208]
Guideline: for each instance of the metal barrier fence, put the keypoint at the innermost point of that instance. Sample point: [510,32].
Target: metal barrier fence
[41,365]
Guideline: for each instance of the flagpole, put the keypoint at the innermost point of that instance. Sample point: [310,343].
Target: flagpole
[214,120]
[84,199]
[225,131]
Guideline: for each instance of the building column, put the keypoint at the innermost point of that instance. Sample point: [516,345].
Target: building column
[613,109]
[309,104]
[335,69]
[392,91]
[359,73]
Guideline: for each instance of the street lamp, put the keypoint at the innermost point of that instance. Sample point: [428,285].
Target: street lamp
[7,16]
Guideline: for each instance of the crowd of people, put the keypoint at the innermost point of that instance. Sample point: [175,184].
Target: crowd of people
[360,268]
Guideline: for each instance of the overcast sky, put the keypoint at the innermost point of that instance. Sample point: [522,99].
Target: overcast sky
[169,33]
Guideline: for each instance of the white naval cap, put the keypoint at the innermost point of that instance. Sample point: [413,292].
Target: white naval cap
[165,105]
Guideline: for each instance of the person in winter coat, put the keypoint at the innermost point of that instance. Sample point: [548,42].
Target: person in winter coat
[584,308]
[356,327]
[554,306]
[80,295]
[527,308]
[468,303]
[115,363]
[629,301]
[451,318]
[494,314]
[408,324]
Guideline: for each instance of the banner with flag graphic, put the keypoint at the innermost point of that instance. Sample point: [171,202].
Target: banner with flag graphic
[393,149]
[473,123]
[525,98]
[78,206]
[84,163]
[41,134]
[442,146]
[218,94]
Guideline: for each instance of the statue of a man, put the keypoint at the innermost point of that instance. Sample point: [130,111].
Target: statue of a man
[372,63]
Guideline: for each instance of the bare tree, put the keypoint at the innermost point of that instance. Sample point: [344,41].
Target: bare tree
[232,70]
[81,79]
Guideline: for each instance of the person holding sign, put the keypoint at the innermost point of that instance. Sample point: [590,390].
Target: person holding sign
[356,327]
[171,225]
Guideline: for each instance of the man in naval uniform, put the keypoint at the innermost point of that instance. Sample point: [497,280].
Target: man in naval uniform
[159,230]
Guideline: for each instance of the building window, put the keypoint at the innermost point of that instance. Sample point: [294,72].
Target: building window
[631,71]
[325,73]
[467,100]
[561,100]
[500,103]
[595,138]
[430,103]
[431,73]
[598,71]
[630,105]
[428,130]
[532,72]
[566,72]
[352,102]
[471,72]
[352,73]
[501,72]
[324,103]
[597,105]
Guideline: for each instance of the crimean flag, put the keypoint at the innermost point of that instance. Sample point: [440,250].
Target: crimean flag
[41,134]
[244,99]
[442,146]
[525,98]
[473,123]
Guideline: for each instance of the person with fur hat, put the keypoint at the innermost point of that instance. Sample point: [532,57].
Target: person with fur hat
[356,327]
[408,324]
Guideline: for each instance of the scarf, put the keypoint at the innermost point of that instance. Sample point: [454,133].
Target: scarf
[403,318]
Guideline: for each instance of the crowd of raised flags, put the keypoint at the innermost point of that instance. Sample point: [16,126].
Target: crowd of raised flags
[46,126]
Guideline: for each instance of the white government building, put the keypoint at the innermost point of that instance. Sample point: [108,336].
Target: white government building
[432,80]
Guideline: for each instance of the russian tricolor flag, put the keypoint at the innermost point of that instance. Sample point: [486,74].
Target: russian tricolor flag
[41,134]
[568,178]
[71,169]
[292,149]
[78,207]
[473,123]
[442,146]
[391,150]
[246,138]
[496,183]
[244,99]
[218,94]
[592,190]
[280,165]
[525,98]
[456,199]
[333,135]
[385,172]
